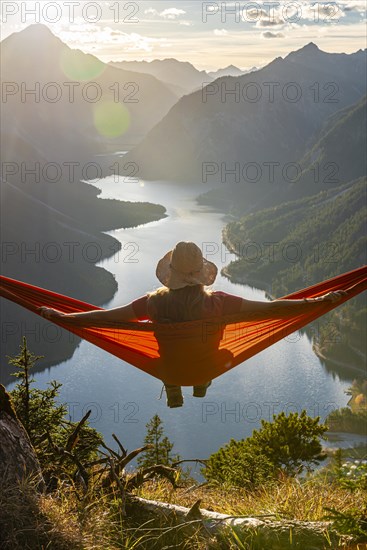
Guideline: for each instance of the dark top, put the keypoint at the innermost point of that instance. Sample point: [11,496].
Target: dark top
[217,304]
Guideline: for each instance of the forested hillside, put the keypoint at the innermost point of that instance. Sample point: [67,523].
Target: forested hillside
[297,244]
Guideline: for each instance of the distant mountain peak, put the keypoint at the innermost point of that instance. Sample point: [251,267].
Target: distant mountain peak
[38,28]
[231,70]
[167,61]
[35,39]
[35,36]
[232,67]
[311,46]
[309,49]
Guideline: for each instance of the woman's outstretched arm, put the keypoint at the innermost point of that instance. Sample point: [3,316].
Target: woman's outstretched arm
[281,309]
[256,311]
[95,318]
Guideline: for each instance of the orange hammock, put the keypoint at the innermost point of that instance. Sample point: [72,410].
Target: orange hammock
[187,353]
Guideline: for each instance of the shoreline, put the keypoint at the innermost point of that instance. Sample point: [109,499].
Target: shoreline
[263,285]
[316,348]
[81,278]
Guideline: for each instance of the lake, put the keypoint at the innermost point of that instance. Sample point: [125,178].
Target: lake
[285,377]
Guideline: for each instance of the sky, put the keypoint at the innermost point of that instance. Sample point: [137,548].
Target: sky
[210,35]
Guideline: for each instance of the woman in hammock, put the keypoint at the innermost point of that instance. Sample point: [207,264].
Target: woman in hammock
[185,273]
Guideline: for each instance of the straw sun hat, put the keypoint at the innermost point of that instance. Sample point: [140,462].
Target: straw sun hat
[185,265]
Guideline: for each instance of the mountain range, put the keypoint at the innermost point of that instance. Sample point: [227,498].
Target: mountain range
[310,113]
[338,153]
[51,229]
[78,98]
[323,217]
[267,116]
[182,77]
[231,70]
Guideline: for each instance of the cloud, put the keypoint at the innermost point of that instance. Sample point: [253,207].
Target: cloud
[269,34]
[265,18]
[292,12]
[220,32]
[171,13]
[254,14]
[168,13]
[87,36]
[322,12]
[275,21]
[359,7]
[151,11]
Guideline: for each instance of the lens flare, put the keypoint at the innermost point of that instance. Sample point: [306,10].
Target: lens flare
[111,119]
[77,65]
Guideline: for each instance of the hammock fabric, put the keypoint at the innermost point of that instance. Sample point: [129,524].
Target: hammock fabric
[187,353]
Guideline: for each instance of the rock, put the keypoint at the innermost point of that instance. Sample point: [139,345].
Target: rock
[17,456]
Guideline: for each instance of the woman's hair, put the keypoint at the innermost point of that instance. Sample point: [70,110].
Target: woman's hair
[183,304]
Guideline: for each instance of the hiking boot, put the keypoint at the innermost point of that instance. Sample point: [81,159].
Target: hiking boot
[200,391]
[174,396]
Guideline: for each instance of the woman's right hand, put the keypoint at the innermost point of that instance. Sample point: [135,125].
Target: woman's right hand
[333,296]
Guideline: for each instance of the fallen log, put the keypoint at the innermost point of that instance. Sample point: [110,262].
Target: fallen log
[268,532]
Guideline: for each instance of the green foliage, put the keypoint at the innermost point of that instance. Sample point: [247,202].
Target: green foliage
[342,140]
[353,522]
[22,393]
[345,420]
[46,421]
[70,518]
[160,448]
[302,242]
[239,465]
[354,475]
[359,386]
[346,470]
[353,418]
[306,240]
[288,444]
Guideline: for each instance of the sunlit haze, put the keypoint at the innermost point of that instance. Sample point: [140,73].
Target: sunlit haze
[210,35]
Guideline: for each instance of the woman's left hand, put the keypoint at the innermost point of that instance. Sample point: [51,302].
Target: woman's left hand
[49,313]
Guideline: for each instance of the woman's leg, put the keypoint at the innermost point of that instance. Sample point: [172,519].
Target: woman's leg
[200,391]
[174,396]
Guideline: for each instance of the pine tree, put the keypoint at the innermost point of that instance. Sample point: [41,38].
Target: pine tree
[45,420]
[291,442]
[288,444]
[161,446]
[24,361]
